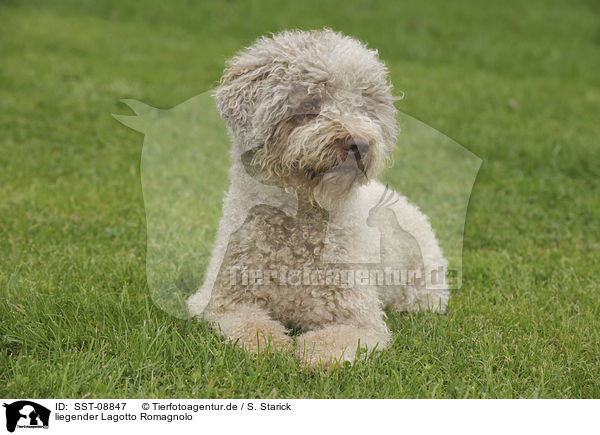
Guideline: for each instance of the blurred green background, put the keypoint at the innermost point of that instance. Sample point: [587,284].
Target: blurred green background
[516,83]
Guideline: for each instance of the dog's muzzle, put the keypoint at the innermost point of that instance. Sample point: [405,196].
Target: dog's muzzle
[354,152]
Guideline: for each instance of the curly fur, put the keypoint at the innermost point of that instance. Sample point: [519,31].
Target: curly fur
[312,122]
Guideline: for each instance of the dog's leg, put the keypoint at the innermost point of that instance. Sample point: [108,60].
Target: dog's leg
[335,344]
[252,328]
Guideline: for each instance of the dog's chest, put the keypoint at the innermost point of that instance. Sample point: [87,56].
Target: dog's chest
[278,265]
[272,239]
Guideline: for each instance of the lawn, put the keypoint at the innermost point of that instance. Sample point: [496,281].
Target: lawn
[516,83]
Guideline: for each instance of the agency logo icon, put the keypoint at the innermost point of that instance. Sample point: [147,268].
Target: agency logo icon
[25,414]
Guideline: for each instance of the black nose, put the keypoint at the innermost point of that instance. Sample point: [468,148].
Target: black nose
[358,146]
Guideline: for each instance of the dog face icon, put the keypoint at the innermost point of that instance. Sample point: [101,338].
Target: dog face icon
[26,413]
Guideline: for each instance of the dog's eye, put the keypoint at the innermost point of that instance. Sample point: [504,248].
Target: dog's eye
[308,106]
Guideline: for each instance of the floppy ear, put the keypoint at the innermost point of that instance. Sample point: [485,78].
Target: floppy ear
[238,91]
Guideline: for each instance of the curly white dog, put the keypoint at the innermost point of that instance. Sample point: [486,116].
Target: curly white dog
[309,242]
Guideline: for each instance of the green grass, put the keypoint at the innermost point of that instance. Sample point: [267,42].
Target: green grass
[517,84]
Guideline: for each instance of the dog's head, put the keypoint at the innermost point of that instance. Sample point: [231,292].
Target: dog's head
[311,110]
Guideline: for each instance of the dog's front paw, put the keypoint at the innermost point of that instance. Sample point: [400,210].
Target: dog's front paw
[313,354]
[333,345]
[260,342]
[252,329]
